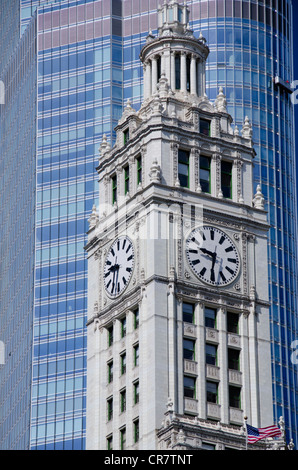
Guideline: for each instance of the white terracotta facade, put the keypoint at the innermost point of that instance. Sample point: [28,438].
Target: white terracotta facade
[157,213]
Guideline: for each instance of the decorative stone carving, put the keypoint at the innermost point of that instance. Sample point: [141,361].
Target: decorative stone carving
[105,146]
[221,102]
[258,200]
[155,172]
[247,129]
[93,219]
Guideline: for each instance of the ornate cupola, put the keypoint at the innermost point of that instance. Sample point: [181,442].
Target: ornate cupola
[175,54]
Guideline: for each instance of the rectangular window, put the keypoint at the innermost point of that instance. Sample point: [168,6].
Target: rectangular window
[183,168]
[136,318]
[136,355]
[123,401]
[232,323]
[189,349]
[226,179]
[235,397]
[114,189]
[110,443]
[139,170]
[136,392]
[205,127]
[211,354]
[189,387]
[136,431]
[123,363]
[210,317]
[126,179]
[212,392]
[123,327]
[233,359]
[188,312]
[205,180]
[110,408]
[125,136]
[123,439]
[110,372]
[110,336]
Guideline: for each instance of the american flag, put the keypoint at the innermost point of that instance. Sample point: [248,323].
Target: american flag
[255,434]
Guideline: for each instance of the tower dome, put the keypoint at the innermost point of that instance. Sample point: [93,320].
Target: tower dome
[176,54]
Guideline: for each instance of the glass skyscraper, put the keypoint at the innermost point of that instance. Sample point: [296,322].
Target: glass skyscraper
[68,68]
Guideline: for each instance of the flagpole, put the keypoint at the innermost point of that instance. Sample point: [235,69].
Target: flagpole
[245,425]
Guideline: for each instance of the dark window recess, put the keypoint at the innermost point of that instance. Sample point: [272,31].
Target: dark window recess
[189,387]
[210,317]
[126,179]
[233,359]
[205,174]
[139,170]
[110,336]
[189,349]
[177,72]
[158,68]
[110,408]
[212,392]
[226,179]
[205,126]
[183,168]
[188,74]
[114,189]
[125,136]
[234,397]
[188,312]
[211,354]
[232,322]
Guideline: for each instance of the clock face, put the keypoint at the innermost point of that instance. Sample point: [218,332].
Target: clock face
[212,256]
[118,266]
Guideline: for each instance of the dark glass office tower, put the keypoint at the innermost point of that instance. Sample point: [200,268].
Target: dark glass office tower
[69,67]
[17,216]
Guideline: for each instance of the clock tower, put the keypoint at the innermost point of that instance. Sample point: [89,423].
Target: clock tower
[178,345]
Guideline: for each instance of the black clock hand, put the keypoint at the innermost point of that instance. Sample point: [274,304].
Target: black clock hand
[117,276]
[214,256]
[206,252]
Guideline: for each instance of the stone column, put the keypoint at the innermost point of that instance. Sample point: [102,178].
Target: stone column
[203,78]
[193,75]
[216,175]
[183,72]
[147,80]
[199,78]
[153,75]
